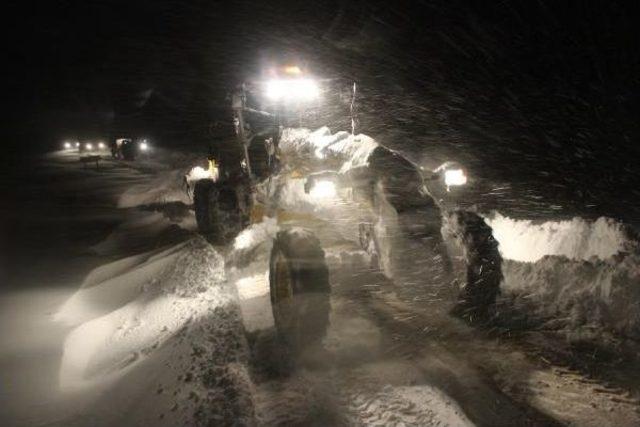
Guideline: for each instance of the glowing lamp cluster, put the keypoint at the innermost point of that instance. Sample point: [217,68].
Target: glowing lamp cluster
[455,177]
[292,90]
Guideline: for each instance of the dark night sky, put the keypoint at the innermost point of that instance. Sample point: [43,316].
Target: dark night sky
[550,85]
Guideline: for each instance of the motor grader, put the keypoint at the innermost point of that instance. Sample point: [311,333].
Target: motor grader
[324,187]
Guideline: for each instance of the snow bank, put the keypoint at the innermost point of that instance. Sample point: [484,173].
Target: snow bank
[113,285]
[143,230]
[138,309]
[116,268]
[161,329]
[419,405]
[579,239]
[159,336]
[578,276]
[584,298]
[165,187]
[155,338]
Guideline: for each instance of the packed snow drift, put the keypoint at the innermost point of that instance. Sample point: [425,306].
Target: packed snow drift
[577,239]
[581,277]
[166,187]
[163,329]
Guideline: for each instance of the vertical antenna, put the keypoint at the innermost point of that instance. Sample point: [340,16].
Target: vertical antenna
[352,112]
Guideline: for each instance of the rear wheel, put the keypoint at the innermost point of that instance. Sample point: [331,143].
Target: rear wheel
[299,284]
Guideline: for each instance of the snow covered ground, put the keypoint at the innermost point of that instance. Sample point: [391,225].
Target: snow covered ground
[165,322]
[140,321]
[154,334]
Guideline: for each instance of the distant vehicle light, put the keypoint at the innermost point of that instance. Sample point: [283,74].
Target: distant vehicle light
[77,145]
[88,146]
[67,145]
[323,190]
[144,146]
[101,145]
[454,177]
[292,89]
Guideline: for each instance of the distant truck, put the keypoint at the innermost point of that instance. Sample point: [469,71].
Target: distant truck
[127,148]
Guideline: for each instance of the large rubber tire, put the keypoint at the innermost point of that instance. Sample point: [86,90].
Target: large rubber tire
[217,211]
[300,289]
[470,235]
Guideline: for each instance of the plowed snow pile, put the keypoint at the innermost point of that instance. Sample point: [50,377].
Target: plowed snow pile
[578,276]
[167,184]
[159,336]
[143,229]
[524,240]
[165,187]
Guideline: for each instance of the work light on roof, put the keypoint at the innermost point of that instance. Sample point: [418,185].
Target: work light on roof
[292,89]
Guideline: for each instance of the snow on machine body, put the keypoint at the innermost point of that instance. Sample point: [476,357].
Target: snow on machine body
[325,188]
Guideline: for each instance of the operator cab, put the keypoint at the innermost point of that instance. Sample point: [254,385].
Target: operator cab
[263,108]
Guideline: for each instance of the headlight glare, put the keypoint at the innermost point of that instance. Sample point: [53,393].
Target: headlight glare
[454,177]
[323,190]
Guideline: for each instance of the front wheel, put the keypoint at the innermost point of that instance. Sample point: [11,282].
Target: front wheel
[299,284]
[218,212]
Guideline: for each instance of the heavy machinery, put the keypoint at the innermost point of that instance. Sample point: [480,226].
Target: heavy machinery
[321,185]
[127,148]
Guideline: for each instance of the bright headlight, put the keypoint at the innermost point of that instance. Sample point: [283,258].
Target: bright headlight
[455,177]
[77,145]
[88,146]
[101,145]
[292,89]
[67,145]
[323,190]
[144,146]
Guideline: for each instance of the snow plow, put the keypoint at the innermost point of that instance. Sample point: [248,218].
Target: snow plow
[326,188]
[127,148]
